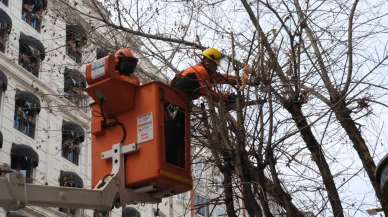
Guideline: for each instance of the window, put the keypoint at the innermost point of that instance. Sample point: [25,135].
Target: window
[1,139]
[5,29]
[31,53]
[75,42]
[198,167]
[24,165]
[217,180]
[27,108]
[5,2]
[101,53]
[3,87]
[32,12]
[24,159]
[72,137]
[74,81]
[217,212]
[71,150]
[70,179]
[200,205]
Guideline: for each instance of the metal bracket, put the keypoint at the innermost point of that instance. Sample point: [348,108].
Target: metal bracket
[16,194]
[124,150]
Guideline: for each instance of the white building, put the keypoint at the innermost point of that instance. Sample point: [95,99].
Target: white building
[44,117]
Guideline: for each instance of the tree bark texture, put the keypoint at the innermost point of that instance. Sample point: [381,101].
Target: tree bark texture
[343,115]
[317,156]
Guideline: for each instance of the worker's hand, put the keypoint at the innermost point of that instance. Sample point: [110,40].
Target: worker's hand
[231,100]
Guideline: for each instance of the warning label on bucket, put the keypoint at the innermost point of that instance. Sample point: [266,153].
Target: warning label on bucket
[145,130]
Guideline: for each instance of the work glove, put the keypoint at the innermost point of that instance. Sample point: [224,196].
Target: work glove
[231,100]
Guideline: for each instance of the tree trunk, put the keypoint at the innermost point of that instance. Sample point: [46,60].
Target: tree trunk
[317,156]
[343,115]
[252,206]
[228,192]
[286,198]
[270,188]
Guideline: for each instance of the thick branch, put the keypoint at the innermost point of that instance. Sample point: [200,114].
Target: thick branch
[323,71]
[267,45]
[317,156]
[350,48]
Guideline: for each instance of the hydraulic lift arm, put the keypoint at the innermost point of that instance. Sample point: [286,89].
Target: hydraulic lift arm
[16,194]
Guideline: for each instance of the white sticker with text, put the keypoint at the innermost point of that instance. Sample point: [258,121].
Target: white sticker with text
[145,130]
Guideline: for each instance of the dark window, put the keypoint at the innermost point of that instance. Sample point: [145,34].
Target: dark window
[25,116]
[201,207]
[32,13]
[75,42]
[72,139]
[101,53]
[69,179]
[74,81]
[71,149]
[5,29]
[5,2]
[24,165]
[174,135]
[30,58]
[4,33]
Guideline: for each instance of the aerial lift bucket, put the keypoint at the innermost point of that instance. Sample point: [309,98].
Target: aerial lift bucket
[154,116]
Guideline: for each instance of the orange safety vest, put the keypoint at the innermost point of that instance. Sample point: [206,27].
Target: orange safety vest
[131,79]
[196,81]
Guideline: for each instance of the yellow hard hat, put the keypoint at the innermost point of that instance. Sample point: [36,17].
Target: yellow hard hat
[213,54]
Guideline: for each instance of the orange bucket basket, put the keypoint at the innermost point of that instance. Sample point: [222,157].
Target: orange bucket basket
[155,116]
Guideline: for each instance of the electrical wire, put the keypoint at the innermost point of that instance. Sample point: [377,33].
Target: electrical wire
[102,114]
[103,181]
[124,131]
[106,125]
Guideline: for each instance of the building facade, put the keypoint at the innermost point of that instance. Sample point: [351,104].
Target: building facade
[44,114]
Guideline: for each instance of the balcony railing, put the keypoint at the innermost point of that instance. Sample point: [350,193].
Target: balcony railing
[76,96]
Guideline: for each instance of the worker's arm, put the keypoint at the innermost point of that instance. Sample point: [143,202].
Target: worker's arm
[222,78]
[205,86]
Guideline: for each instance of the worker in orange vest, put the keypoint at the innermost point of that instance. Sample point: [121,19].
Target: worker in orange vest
[197,80]
[125,65]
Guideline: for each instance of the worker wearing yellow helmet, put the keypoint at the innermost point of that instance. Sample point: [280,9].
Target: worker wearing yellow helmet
[196,80]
